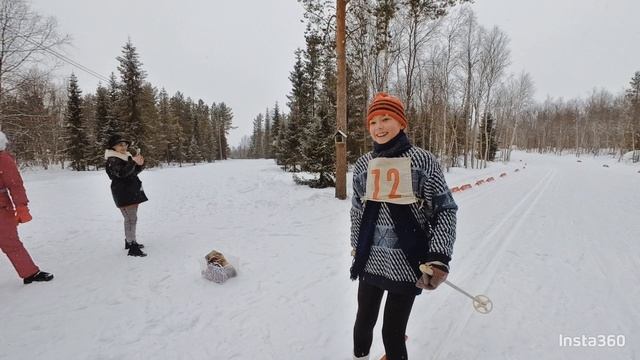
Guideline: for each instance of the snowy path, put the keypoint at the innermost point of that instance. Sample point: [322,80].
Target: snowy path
[554,246]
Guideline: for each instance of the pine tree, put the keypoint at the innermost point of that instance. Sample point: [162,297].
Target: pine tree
[319,148]
[281,143]
[186,121]
[149,112]
[101,123]
[358,140]
[291,140]
[89,123]
[306,79]
[200,133]
[177,146]
[113,111]
[318,153]
[217,131]
[267,136]
[77,143]
[132,77]
[102,116]
[227,120]
[222,119]
[194,154]
[313,59]
[275,131]
[204,133]
[309,99]
[166,126]
[255,151]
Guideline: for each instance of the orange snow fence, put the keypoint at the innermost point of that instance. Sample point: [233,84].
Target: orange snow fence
[464,187]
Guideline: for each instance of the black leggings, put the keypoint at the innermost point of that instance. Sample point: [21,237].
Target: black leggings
[396,315]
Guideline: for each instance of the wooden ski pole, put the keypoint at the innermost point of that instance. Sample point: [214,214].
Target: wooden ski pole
[481,303]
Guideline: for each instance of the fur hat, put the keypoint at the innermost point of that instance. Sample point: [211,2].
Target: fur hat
[3,141]
[115,139]
[385,104]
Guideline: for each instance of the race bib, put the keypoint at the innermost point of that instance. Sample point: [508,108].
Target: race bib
[389,180]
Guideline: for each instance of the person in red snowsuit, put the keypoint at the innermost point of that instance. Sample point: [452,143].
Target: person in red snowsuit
[14,211]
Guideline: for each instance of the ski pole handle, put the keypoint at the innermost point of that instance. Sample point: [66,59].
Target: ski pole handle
[426,269]
[481,303]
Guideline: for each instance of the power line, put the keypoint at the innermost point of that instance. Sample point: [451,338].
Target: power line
[78,65]
[66,59]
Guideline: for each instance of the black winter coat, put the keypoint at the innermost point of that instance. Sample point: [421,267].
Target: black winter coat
[126,187]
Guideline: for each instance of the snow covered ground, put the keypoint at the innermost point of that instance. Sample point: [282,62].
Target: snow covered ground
[554,245]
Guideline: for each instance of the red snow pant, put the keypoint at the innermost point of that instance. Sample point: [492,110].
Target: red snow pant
[11,245]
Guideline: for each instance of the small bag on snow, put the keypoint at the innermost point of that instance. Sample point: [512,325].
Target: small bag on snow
[218,269]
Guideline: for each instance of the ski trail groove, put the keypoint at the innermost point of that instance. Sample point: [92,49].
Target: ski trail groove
[495,254]
[488,242]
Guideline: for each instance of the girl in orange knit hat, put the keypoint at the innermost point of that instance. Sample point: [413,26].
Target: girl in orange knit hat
[402,216]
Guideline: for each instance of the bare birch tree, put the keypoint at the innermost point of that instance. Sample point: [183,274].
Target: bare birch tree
[25,38]
[494,60]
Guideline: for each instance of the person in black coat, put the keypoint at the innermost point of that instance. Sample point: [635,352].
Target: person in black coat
[126,187]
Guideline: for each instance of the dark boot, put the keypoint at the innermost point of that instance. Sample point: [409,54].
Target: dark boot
[39,276]
[127,245]
[134,250]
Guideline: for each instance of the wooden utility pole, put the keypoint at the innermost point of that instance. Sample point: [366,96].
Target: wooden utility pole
[341,102]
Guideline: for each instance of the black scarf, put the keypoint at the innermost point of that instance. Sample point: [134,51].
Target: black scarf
[392,148]
[412,239]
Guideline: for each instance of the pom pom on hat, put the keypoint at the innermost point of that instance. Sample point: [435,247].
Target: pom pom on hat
[385,104]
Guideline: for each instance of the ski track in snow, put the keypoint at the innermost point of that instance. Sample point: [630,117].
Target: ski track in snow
[553,245]
[545,264]
[490,251]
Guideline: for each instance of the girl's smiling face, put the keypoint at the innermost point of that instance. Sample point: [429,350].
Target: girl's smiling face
[383,128]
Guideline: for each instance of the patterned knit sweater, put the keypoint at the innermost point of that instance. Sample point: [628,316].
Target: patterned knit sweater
[435,211]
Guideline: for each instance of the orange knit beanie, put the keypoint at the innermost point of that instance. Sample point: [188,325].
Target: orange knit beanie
[385,104]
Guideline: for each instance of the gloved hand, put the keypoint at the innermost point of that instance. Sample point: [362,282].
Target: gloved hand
[23,215]
[439,273]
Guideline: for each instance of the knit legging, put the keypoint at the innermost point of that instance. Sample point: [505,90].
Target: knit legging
[396,315]
[130,214]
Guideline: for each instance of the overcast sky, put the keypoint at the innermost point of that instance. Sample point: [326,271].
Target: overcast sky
[569,46]
[241,52]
